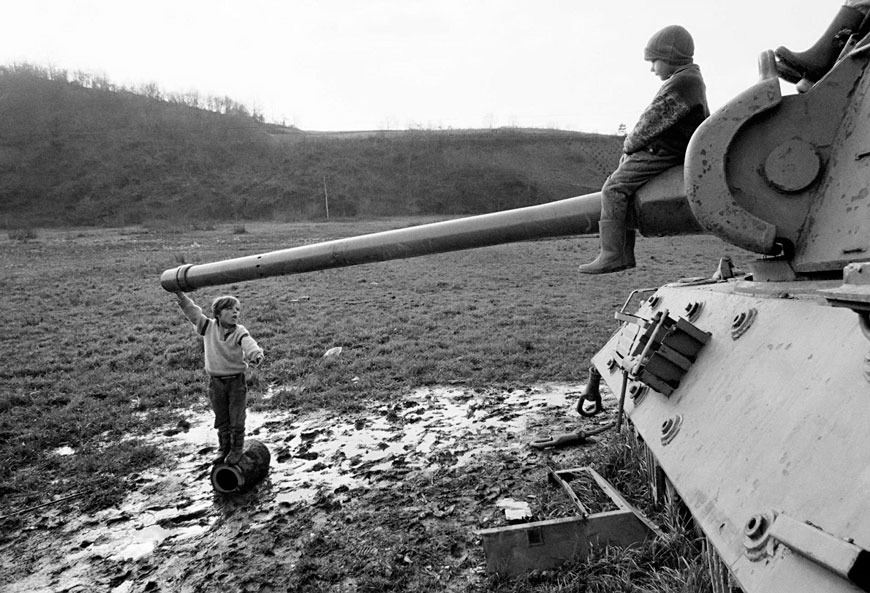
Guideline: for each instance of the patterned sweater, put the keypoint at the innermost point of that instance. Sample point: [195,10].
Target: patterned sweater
[226,349]
[675,113]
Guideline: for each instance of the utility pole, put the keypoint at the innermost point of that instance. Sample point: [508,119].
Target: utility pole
[326,197]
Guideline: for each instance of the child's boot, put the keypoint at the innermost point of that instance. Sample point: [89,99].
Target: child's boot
[613,246]
[815,62]
[223,446]
[628,253]
[237,444]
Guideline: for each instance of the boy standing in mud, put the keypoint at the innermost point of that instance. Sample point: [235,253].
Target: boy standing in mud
[228,350]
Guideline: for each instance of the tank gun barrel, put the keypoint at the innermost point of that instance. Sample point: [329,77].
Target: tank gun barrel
[661,209]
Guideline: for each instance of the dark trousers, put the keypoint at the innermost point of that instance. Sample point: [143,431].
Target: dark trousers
[633,172]
[228,397]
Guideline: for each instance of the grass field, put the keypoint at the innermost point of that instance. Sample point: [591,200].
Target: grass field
[97,357]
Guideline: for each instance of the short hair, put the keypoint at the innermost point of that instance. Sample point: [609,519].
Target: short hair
[223,302]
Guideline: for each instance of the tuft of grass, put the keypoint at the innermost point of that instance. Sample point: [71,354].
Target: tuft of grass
[23,234]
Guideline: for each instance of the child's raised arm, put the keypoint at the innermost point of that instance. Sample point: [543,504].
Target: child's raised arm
[191,310]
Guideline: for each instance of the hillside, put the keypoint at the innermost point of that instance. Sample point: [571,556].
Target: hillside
[73,155]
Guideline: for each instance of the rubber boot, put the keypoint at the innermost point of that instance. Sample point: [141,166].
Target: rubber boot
[815,62]
[630,236]
[223,446]
[612,255]
[237,444]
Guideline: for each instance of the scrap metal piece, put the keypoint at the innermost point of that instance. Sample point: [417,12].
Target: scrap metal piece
[569,438]
[253,467]
[542,545]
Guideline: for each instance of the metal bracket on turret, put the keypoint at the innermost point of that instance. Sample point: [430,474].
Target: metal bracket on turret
[854,293]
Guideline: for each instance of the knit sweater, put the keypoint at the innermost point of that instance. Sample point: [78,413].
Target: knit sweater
[674,114]
[226,349]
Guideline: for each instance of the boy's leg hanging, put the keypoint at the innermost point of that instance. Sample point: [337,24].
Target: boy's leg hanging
[611,257]
[617,240]
[630,237]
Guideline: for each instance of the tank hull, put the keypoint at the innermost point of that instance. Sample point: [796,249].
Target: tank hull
[763,422]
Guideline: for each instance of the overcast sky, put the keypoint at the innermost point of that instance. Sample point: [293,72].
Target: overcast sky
[395,64]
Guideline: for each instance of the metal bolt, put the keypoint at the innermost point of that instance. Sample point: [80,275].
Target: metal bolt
[742,322]
[756,536]
[755,527]
[670,428]
[693,309]
[636,392]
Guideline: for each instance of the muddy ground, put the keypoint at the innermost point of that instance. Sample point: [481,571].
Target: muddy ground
[389,500]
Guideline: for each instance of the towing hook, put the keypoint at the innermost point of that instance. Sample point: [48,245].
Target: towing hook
[589,403]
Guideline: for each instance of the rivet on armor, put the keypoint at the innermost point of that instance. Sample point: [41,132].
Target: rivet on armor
[693,309]
[756,536]
[670,428]
[742,322]
[637,391]
[755,527]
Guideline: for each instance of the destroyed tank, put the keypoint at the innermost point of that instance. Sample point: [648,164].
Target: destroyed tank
[747,393]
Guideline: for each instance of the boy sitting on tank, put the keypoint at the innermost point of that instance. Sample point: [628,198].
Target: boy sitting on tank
[657,143]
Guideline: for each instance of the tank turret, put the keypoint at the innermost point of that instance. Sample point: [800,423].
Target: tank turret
[788,176]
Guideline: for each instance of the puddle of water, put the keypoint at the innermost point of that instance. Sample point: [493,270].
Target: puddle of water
[311,456]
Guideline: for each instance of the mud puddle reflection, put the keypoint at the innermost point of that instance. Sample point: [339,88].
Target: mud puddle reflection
[311,457]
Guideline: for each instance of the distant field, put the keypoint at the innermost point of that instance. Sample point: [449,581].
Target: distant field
[96,351]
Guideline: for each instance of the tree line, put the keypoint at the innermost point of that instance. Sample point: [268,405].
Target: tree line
[223,105]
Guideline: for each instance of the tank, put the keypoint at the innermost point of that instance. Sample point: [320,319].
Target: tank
[745,393]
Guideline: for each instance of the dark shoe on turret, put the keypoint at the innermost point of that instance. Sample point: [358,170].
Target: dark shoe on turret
[815,62]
